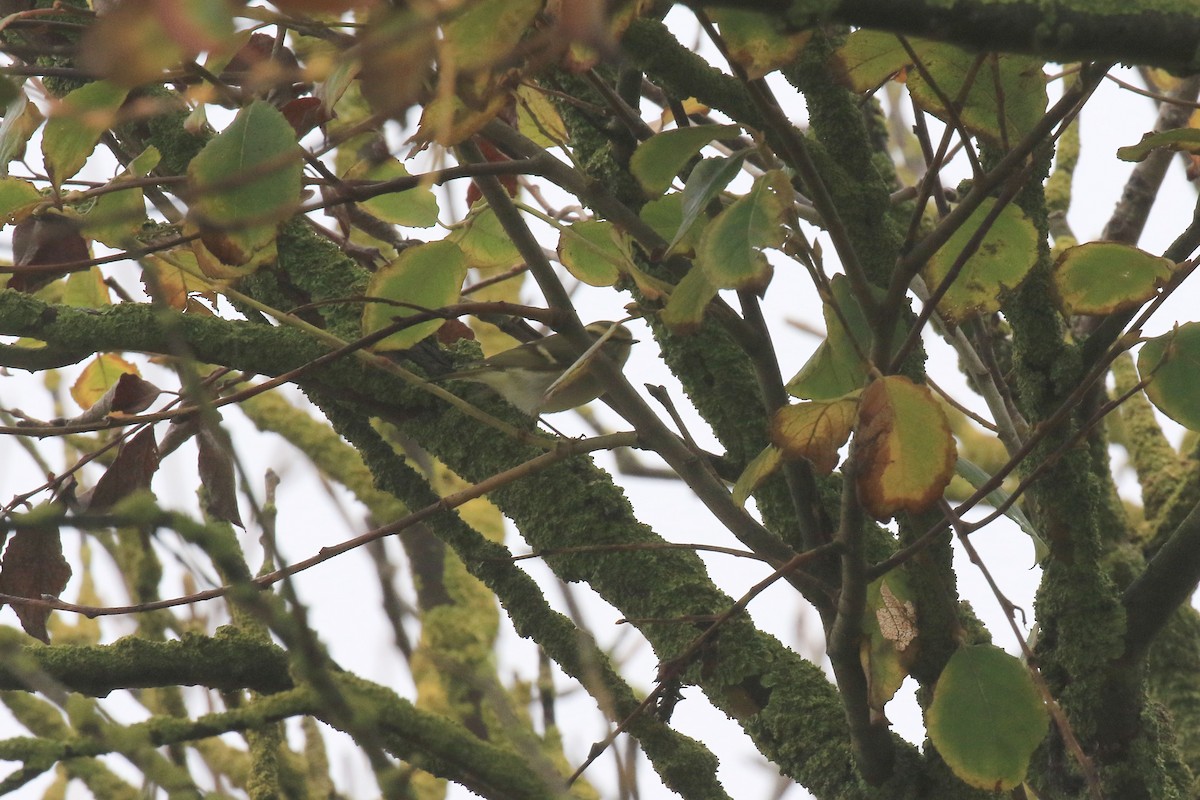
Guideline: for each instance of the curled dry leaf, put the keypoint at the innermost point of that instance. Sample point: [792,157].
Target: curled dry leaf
[217,475]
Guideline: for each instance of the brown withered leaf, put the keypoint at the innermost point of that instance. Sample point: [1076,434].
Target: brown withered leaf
[34,566]
[217,475]
[305,113]
[260,66]
[132,469]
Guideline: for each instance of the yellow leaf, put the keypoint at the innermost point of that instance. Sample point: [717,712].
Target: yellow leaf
[98,377]
[814,430]
[538,119]
[448,120]
[760,42]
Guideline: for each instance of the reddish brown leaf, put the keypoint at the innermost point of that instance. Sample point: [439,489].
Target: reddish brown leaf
[453,330]
[41,240]
[304,114]
[132,469]
[491,153]
[34,566]
[259,65]
[260,48]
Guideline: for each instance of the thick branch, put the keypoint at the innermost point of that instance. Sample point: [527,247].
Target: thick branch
[441,746]
[227,662]
[1167,582]
[1160,33]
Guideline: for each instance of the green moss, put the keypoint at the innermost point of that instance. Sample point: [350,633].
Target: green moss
[678,760]
[166,132]
[1173,676]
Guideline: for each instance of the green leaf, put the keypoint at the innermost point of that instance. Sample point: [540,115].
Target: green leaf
[117,215]
[414,208]
[974,475]
[486,32]
[86,289]
[707,180]
[245,181]
[653,288]
[757,471]
[836,368]
[1171,363]
[1002,260]
[759,42]
[665,215]
[595,252]
[987,717]
[905,449]
[729,251]
[144,164]
[21,119]
[868,58]
[1185,139]
[660,158]
[427,276]
[1106,277]
[483,240]
[1005,101]
[98,377]
[688,302]
[76,125]
[17,198]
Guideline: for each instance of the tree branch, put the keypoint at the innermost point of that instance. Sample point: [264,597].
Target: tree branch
[1166,583]
[228,662]
[1158,33]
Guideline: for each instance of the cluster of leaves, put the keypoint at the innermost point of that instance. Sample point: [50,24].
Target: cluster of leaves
[258,169]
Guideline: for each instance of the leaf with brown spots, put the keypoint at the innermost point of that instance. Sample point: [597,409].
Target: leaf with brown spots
[905,449]
[814,430]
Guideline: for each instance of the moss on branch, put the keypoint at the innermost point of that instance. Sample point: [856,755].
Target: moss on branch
[227,661]
[1159,33]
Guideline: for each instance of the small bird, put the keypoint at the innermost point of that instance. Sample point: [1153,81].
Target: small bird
[550,374]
